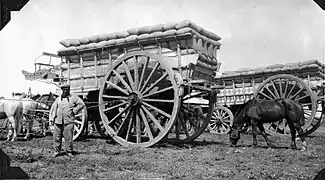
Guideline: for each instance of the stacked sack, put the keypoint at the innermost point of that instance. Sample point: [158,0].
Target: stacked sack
[207,39]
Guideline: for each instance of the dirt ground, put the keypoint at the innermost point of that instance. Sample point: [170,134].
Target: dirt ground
[209,157]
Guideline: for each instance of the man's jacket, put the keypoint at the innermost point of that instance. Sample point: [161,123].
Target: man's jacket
[63,110]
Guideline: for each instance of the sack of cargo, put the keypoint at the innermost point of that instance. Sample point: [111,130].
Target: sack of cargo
[169,26]
[188,23]
[131,38]
[228,72]
[184,30]
[82,47]
[133,31]
[157,28]
[93,39]
[143,36]
[170,32]
[122,34]
[120,41]
[313,61]
[156,35]
[145,30]
[210,35]
[65,42]
[274,66]
[242,70]
[84,40]
[292,64]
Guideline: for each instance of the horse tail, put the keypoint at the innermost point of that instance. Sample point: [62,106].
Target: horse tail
[302,115]
[18,115]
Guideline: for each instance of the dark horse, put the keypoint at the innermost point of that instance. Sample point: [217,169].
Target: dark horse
[256,112]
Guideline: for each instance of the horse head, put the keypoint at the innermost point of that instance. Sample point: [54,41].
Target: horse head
[234,135]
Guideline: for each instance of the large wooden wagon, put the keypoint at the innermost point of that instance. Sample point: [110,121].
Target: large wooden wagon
[136,84]
[301,81]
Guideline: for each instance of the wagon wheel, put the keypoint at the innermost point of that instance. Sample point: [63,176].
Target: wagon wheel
[221,120]
[42,110]
[289,86]
[138,90]
[191,121]
[80,123]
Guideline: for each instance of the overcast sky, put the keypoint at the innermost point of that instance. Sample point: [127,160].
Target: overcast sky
[255,32]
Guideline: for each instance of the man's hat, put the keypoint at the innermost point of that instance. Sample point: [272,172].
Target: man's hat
[65,86]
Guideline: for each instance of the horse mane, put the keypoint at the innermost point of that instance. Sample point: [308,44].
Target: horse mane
[243,106]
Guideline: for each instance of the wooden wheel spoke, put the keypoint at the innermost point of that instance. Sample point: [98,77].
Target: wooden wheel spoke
[144,69]
[275,90]
[159,100]
[267,88]
[157,109]
[138,128]
[77,121]
[136,74]
[300,98]
[117,87]
[114,107]
[146,124]
[280,86]
[122,80]
[149,77]
[119,114]
[152,117]
[158,92]
[286,88]
[265,95]
[292,97]
[127,117]
[155,83]
[128,74]
[129,128]
[291,90]
[306,104]
[114,97]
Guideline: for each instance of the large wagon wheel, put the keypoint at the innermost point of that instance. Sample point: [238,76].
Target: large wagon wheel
[221,120]
[138,90]
[191,121]
[289,86]
[80,123]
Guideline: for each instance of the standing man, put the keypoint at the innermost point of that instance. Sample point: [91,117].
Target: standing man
[62,116]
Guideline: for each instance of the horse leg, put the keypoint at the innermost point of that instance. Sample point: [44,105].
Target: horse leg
[293,135]
[268,142]
[302,137]
[254,128]
[13,130]
[9,134]
[29,128]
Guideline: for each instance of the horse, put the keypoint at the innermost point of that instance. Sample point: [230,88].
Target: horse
[15,110]
[256,112]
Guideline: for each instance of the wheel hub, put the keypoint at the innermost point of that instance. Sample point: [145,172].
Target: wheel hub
[135,98]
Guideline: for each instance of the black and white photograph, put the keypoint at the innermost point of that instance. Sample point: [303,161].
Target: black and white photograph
[159,90]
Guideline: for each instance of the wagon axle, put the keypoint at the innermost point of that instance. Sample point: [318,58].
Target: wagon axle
[135,98]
